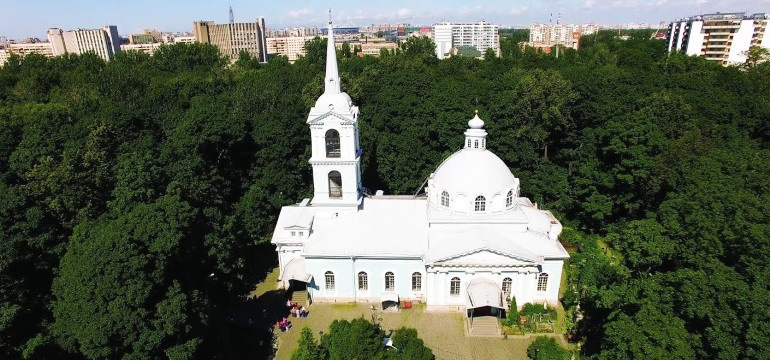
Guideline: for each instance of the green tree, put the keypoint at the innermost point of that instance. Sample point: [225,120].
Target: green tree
[408,346]
[119,292]
[307,347]
[546,348]
[346,50]
[756,55]
[356,339]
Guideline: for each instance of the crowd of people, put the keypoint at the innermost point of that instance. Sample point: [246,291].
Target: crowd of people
[296,311]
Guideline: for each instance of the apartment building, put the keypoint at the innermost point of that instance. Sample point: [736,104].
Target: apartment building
[103,42]
[24,49]
[292,47]
[545,36]
[480,35]
[147,48]
[233,38]
[720,37]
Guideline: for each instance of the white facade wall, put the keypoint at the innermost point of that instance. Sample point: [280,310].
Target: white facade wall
[480,35]
[442,36]
[523,286]
[695,42]
[346,271]
[741,43]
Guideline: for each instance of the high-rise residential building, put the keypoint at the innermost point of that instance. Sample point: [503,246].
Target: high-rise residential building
[292,47]
[720,37]
[295,31]
[233,38]
[103,42]
[545,36]
[480,35]
[24,49]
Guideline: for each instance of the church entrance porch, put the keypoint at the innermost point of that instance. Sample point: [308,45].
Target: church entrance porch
[295,280]
[484,306]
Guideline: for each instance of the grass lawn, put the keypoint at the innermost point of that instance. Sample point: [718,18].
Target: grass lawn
[443,332]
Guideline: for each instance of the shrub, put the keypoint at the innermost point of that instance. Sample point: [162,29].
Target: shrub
[546,348]
[531,310]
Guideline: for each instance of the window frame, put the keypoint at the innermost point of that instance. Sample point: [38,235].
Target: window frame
[509,282]
[509,199]
[454,287]
[445,198]
[392,277]
[480,204]
[335,194]
[330,141]
[365,281]
[416,280]
[542,282]
[330,283]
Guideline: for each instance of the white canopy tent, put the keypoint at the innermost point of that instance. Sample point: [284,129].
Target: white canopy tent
[295,270]
[484,292]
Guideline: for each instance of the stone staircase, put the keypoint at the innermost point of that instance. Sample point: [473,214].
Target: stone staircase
[300,297]
[484,326]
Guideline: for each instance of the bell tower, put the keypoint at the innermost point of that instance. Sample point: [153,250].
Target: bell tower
[336,154]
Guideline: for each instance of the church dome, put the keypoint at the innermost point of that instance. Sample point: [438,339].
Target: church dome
[471,173]
[339,102]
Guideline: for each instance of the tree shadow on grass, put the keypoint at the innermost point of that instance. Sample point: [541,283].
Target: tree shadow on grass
[248,333]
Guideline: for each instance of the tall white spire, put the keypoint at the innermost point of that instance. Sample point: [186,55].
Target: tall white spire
[332,74]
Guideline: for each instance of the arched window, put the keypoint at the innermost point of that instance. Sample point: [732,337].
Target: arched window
[542,282]
[332,143]
[335,184]
[481,204]
[363,281]
[509,199]
[507,287]
[390,281]
[444,199]
[416,281]
[329,277]
[454,287]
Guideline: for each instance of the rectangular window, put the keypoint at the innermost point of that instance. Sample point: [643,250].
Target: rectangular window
[293,233]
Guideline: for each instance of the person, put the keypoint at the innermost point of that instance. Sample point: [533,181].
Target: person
[288,303]
[303,312]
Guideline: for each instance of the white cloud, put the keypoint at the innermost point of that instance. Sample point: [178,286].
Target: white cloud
[589,4]
[404,12]
[300,13]
[519,10]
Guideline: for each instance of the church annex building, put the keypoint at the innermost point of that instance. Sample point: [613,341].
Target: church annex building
[469,242]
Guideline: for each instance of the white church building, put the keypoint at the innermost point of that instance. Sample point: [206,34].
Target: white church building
[469,242]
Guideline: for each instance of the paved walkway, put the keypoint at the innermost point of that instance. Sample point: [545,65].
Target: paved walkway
[443,332]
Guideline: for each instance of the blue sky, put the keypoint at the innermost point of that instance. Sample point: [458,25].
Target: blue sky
[30,18]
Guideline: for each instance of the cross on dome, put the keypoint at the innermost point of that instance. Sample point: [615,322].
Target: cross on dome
[476,136]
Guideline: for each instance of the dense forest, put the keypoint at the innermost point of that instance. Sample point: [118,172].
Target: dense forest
[136,196]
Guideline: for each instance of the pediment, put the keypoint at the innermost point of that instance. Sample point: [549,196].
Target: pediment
[486,256]
[319,120]
[296,227]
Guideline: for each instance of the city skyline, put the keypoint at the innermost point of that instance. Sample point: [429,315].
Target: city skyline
[25,19]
